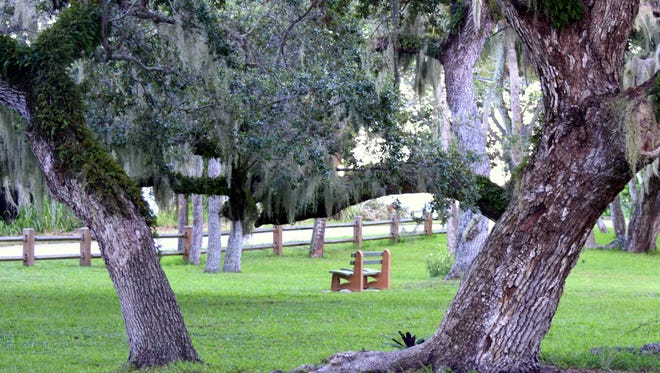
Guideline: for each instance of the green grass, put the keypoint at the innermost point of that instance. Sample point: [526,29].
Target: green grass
[57,316]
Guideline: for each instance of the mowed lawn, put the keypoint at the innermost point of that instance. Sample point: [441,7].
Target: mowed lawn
[278,313]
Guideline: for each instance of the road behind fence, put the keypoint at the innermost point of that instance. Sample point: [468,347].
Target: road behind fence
[30,247]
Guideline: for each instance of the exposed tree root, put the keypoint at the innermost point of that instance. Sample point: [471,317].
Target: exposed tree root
[408,360]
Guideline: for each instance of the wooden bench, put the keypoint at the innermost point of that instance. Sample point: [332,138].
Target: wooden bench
[359,278]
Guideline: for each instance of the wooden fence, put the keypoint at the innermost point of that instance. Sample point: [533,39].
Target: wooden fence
[85,238]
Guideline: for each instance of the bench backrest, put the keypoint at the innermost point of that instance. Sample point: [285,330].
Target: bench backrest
[366,254]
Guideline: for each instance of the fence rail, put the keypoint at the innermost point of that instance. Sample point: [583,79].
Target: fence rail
[84,237]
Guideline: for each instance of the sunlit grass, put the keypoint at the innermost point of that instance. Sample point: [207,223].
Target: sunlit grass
[277,314]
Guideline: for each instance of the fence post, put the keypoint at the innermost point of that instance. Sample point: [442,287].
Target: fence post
[28,247]
[394,227]
[85,247]
[278,243]
[318,238]
[186,242]
[357,232]
[428,223]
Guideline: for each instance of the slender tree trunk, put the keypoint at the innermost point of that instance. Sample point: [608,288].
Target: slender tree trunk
[444,113]
[504,306]
[634,191]
[591,240]
[234,248]
[213,254]
[500,117]
[182,215]
[618,219]
[318,238]
[645,221]
[452,228]
[518,137]
[458,60]
[198,229]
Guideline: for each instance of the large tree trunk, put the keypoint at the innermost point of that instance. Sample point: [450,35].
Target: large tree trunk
[156,331]
[504,306]
[80,173]
[214,251]
[645,221]
[468,132]
[234,248]
[503,310]
[198,229]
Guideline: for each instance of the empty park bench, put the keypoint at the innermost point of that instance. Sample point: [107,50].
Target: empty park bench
[359,277]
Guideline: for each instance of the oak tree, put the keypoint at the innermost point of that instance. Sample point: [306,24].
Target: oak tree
[593,133]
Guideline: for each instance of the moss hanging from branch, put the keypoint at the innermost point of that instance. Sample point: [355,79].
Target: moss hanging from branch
[210,186]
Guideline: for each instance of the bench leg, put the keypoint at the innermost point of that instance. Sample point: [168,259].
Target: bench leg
[334,284]
[354,283]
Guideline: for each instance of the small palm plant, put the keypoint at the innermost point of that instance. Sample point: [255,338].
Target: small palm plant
[407,340]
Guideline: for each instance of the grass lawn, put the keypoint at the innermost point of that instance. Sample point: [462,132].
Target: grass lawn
[277,314]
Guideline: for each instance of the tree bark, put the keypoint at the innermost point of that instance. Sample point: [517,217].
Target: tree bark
[198,229]
[618,219]
[182,215]
[214,252]
[459,59]
[504,306]
[645,221]
[234,248]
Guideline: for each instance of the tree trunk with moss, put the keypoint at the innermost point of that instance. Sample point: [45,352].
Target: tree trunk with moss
[506,303]
[81,173]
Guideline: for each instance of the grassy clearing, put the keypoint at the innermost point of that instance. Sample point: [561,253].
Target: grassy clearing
[58,316]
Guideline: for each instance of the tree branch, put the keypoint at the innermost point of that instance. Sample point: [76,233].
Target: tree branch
[290,28]
[492,201]
[14,98]
[140,64]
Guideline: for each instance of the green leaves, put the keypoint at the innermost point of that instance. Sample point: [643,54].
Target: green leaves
[562,13]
